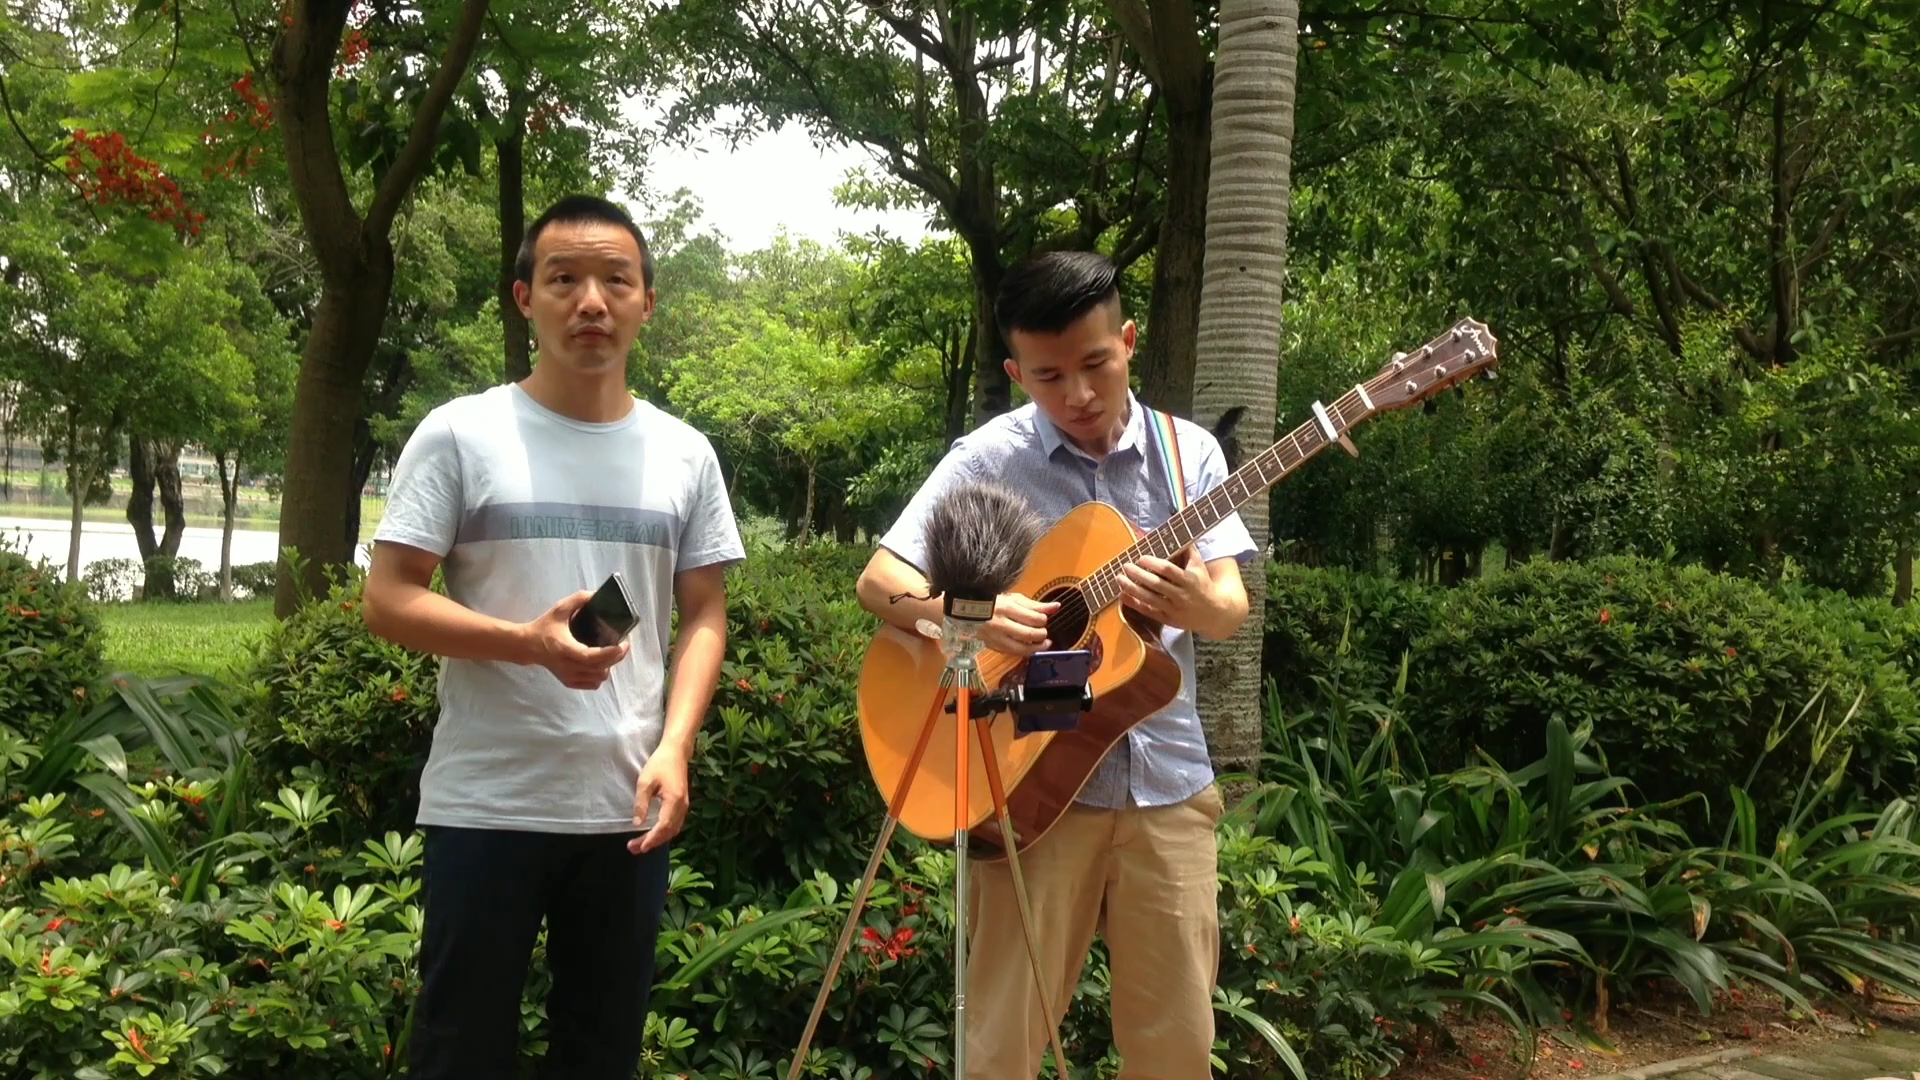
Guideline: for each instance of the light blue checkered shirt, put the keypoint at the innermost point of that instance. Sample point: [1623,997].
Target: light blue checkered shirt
[1163,759]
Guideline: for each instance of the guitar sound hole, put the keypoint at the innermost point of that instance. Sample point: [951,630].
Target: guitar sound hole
[1068,625]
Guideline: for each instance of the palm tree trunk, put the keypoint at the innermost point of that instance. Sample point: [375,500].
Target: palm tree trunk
[1237,361]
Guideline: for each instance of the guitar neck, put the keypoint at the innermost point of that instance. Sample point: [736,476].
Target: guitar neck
[1102,587]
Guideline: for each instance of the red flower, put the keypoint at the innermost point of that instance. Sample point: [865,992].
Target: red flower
[1605,616]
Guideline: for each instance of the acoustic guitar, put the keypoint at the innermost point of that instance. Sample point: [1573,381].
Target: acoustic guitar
[1078,562]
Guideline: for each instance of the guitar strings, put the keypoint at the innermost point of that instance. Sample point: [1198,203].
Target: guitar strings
[1076,605]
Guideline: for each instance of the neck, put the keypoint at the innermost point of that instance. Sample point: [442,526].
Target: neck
[590,399]
[1107,440]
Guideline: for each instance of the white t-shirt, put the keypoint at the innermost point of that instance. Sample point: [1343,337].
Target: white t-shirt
[526,507]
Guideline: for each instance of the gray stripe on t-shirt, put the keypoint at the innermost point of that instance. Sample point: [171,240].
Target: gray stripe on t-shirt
[569,521]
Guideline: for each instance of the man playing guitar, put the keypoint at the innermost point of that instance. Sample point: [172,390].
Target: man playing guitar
[1134,859]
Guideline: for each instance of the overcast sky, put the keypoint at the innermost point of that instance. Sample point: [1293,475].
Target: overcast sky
[777,180]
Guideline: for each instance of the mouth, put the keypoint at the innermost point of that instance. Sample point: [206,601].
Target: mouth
[591,334]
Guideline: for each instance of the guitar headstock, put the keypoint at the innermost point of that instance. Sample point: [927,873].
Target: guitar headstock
[1448,360]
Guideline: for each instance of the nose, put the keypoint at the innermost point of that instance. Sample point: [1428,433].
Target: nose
[1079,392]
[593,299]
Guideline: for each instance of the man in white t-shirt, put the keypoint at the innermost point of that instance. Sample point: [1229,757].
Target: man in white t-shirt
[558,773]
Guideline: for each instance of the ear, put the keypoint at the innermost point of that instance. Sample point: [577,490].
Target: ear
[646,313]
[1129,332]
[1013,371]
[523,296]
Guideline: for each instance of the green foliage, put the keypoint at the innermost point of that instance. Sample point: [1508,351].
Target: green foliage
[356,709]
[1562,857]
[255,579]
[780,789]
[50,644]
[1687,677]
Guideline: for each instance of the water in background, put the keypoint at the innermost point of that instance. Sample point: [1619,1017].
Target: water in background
[47,539]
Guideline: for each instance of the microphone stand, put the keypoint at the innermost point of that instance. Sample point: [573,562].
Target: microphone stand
[960,643]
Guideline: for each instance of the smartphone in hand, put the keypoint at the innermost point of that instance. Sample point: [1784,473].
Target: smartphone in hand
[607,617]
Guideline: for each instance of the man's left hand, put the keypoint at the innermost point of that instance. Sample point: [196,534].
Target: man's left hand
[665,779]
[1177,594]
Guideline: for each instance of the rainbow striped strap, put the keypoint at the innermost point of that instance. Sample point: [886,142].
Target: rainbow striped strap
[1161,425]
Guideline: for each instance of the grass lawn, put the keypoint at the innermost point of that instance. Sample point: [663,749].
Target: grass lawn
[170,639]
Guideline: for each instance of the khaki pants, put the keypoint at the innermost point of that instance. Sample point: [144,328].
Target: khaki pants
[1146,878]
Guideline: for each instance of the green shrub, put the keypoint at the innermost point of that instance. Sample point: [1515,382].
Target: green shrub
[357,709]
[112,580]
[1683,672]
[780,787]
[256,579]
[50,644]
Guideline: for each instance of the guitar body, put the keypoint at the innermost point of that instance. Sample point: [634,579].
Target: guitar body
[1133,677]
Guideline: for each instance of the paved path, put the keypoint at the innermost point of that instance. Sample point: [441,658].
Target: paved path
[1891,1056]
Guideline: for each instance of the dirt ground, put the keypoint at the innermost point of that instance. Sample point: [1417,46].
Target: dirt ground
[1655,1029]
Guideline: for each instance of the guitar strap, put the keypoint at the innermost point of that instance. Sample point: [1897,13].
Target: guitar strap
[1161,427]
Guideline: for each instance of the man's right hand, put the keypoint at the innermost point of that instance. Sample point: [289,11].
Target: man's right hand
[1019,626]
[551,645]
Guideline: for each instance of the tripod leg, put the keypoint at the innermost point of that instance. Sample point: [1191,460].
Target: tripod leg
[962,788]
[898,802]
[1065,1071]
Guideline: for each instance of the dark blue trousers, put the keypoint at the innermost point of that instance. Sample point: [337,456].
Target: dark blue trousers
[486,891]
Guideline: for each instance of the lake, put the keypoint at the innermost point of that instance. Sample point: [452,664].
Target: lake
[39,538]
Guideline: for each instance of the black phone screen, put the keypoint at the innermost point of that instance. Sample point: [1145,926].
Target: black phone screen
[608,616]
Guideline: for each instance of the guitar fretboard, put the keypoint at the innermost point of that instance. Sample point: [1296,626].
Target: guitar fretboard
[1102,587]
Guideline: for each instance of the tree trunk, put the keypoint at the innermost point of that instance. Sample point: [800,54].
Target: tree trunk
[229,496]
[77,484]
[173,503]
[355,257]
[140,471]
[1238,348]
[992,390]
[1173,309]
[511,155]
[959,371]
[1903,576]
[806,520]
[77,520]
[1167,35]
[319,507]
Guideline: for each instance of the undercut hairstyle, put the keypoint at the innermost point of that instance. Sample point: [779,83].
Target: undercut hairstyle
[580,210]
[1045,294]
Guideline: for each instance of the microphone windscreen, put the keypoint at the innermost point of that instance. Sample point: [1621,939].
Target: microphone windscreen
[978,537]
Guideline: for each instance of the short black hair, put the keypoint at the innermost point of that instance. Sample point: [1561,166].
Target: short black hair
[579,209]
[1046,293]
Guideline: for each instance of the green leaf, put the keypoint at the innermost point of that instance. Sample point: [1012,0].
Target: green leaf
[1265,1029]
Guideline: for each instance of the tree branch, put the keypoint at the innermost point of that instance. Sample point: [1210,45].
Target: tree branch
[914,34]
[1136,25]
[1579,161]
[418,151]
[302,65]
[1824,239]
